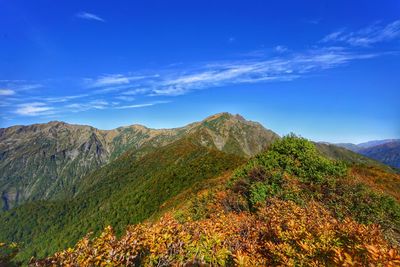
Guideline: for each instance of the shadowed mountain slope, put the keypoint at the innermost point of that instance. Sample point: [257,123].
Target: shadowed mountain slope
[388,153]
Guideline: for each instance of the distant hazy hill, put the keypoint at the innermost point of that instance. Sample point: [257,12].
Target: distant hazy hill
[47,161]
[386,151]
[376,143]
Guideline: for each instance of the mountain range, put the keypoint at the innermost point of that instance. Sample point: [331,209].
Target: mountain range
[59,181]
[47,161]
[386,151]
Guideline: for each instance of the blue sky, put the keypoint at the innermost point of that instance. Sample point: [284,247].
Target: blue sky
[327,70]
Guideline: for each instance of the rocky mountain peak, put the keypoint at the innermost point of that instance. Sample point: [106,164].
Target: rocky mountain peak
[225,116]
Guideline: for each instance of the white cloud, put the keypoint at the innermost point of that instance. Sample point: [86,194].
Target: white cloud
[63,98]
[11,87]
[136,106]
[115,82]
[142,105]
[136,91]
[6,92]
[108,80]
[34,109]
[27,87]
[367,36]
[75,106]
[98,104]
[94,104]
[124,98]
[89,16]
[333,36]
[280,48]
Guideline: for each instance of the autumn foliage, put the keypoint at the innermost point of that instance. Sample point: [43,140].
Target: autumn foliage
[280,233]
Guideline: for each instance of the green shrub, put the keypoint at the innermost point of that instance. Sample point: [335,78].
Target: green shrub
[295,156]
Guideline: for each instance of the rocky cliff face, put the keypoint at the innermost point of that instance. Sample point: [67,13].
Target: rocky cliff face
[45,161]
[40,161]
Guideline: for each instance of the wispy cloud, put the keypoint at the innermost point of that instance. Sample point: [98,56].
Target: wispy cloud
[256,70]
[142,105]
[34,109]
[181,80]
[368,36]
[108,80]
[136,106]
[184,79]
[124,98]
[63,98]
[136,91]
[28,87]
[113,82]
[281,48]
[89,16]
[12,87]
[6,92]
[93,104]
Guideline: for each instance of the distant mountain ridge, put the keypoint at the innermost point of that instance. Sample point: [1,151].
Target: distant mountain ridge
[386,151]
[47,161]
[368,144]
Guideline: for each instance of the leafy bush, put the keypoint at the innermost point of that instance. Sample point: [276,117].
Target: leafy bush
[295,156]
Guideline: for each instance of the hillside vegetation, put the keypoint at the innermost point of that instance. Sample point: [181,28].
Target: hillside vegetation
[286,206]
